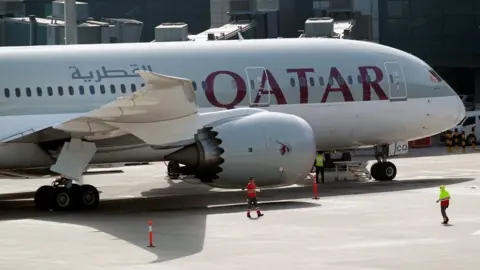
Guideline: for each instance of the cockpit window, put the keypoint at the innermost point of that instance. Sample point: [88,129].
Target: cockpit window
[434,76]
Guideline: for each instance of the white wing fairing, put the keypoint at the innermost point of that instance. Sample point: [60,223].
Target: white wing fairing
[163,111]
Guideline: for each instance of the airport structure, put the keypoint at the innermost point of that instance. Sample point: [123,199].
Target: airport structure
[443,33]
[18,29]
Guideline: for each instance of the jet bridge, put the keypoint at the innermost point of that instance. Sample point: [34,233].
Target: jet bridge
[224,32]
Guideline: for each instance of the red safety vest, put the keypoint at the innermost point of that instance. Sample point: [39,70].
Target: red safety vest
[251,192]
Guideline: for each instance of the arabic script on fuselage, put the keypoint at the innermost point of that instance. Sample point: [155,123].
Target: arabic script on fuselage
[104,73]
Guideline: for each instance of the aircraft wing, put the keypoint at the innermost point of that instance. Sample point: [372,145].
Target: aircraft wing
[161,112]
[14,127]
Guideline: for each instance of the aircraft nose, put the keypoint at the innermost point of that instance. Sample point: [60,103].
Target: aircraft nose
[461,111]
[454,111]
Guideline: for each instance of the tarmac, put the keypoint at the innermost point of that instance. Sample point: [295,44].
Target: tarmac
[354,225]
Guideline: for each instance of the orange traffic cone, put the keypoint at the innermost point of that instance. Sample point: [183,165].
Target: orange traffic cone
[315,188]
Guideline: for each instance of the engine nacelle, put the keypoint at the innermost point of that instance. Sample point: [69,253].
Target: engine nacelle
[277,149]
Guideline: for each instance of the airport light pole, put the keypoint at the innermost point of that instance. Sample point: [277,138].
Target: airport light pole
[70,19]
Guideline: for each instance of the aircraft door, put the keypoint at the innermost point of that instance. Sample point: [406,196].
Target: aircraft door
[258,86]
[396,81]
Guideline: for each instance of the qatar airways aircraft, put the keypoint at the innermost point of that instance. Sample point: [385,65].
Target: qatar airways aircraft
[224,110]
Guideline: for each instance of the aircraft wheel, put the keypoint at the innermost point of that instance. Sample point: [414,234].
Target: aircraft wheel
[89,197]
[390,170]
[374,172]
[76,195]
[44,197]
[62,199]
[384,171]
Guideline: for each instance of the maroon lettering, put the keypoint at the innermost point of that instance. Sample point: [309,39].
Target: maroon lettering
[302,80]
[210,89]
[274,89]
[367,83]
[342,86]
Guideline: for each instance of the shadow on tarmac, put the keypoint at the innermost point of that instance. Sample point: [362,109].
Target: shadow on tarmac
[179,234]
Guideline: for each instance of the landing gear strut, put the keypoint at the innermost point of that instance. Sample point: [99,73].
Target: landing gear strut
[172,167]
[64,195]
[383,170]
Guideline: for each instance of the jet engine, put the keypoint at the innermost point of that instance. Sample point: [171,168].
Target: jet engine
[277,149]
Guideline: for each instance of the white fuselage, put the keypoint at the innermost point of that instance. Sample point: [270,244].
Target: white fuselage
[337,95]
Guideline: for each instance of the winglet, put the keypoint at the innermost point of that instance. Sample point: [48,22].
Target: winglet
[168,81]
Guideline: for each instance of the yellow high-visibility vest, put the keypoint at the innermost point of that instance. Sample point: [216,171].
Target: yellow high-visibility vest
[319,160]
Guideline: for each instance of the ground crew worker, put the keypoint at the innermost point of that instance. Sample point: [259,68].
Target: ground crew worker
[444,200]
[319,166]
[252,197]
[474,138]
[455,139]
[448,141]
[462,139]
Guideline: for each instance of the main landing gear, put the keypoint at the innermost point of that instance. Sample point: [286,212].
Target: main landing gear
[383,170]
[64,195]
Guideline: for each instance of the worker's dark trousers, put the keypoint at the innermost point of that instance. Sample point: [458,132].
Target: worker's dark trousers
[321,171]
[443,209]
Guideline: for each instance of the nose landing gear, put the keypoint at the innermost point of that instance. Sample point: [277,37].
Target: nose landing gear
[383,170]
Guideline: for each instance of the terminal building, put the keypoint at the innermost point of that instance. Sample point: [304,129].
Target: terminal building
[444,33]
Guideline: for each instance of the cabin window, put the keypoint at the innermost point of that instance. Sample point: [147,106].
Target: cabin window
[92,90]
[204,85]
[50,91]
[81,90]
[321,81]
[194,85]
[7,92]
[112,88]
[312,81]
[359,79]
[252,84]
[350,80]
[133,87]
[28,92]
[17,92]
[71,91]
[391,78]
[60,91]
[292,82]
[368,78]
[39,91]
[142,85]
[302,82]
[123,89]
[102,89]
[330,81]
